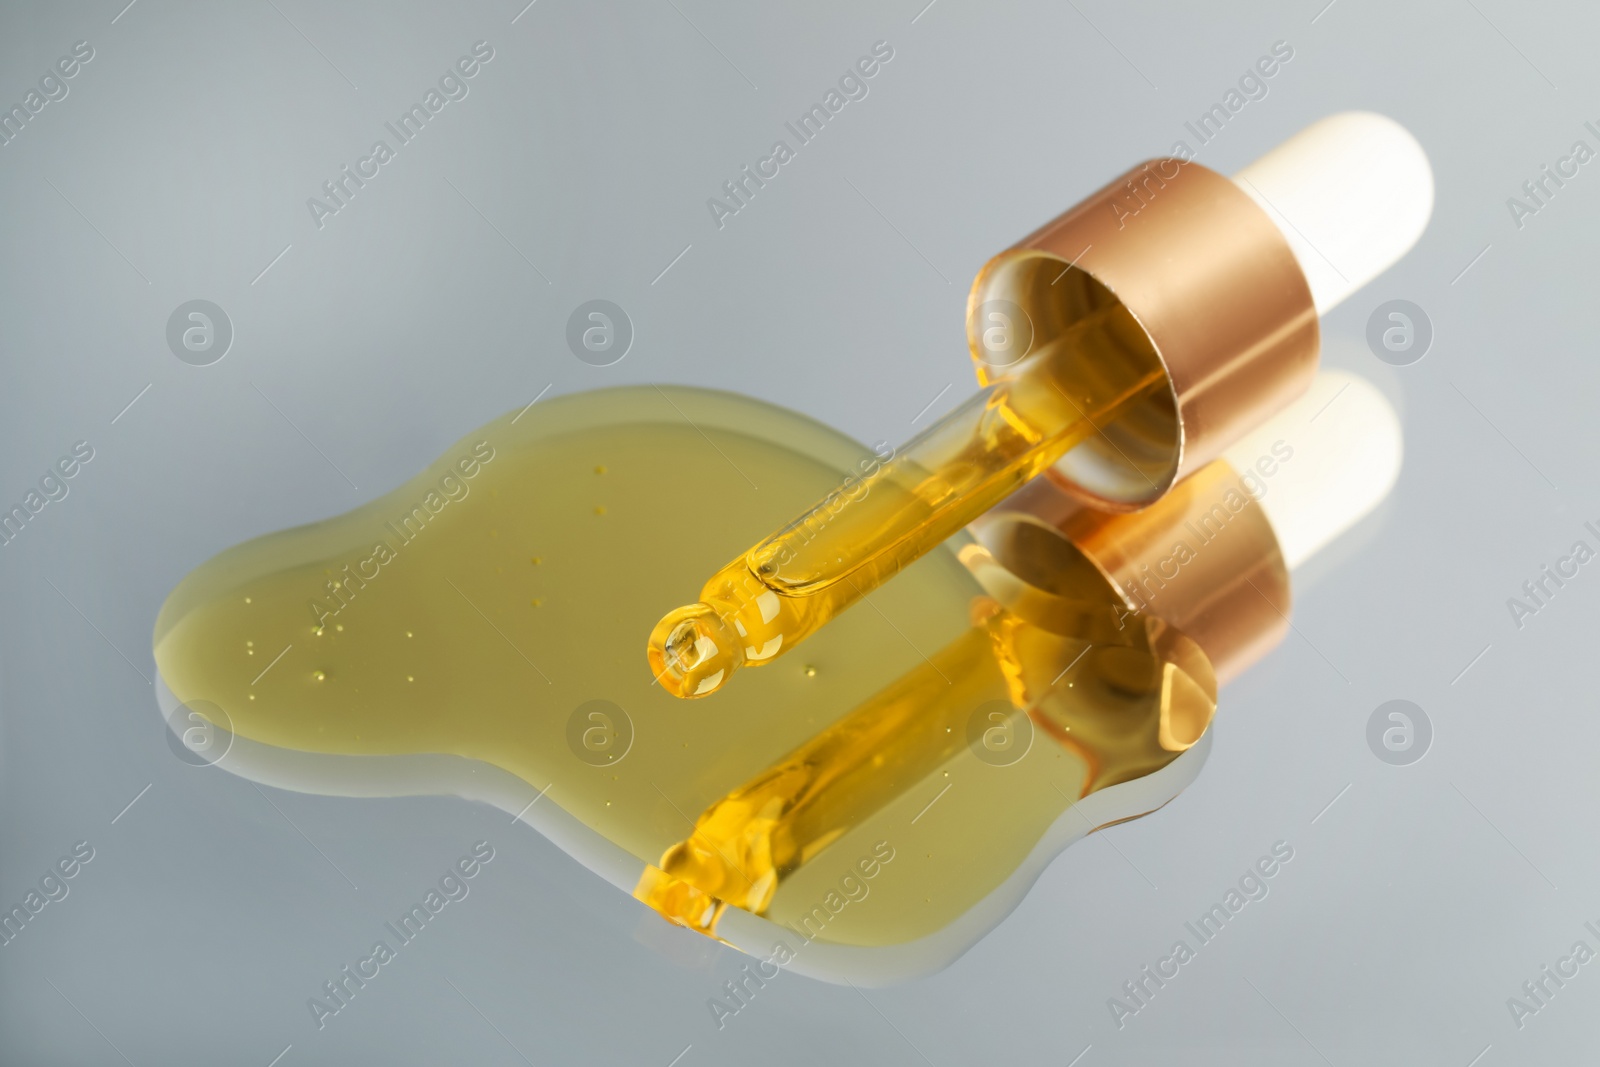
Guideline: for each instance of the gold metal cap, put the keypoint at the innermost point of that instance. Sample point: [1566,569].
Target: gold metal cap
[1215,286]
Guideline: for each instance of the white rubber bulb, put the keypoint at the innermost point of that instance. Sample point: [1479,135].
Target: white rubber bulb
[1344,451]
[1351,193]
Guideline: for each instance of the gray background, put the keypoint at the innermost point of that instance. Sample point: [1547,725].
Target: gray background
[178,168]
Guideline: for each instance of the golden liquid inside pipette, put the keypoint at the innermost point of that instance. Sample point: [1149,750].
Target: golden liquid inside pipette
[787,587]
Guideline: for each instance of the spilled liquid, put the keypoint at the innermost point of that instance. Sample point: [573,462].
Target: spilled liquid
[482,609]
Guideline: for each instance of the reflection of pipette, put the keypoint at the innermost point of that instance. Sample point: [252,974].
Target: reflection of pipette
[1120,348]
[1148,612]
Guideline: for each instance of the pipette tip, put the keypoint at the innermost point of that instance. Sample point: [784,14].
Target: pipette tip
[693,651]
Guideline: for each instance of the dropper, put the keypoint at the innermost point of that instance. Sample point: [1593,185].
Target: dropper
[1119,348]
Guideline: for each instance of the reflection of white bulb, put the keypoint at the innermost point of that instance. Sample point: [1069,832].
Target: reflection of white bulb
[1347,452]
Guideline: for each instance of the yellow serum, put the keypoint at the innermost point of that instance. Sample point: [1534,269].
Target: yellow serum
[478,608]
[506,605]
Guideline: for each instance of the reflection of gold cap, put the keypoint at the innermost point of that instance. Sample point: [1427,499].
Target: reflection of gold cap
[1211,279]
[1203,558]
[1213,557]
